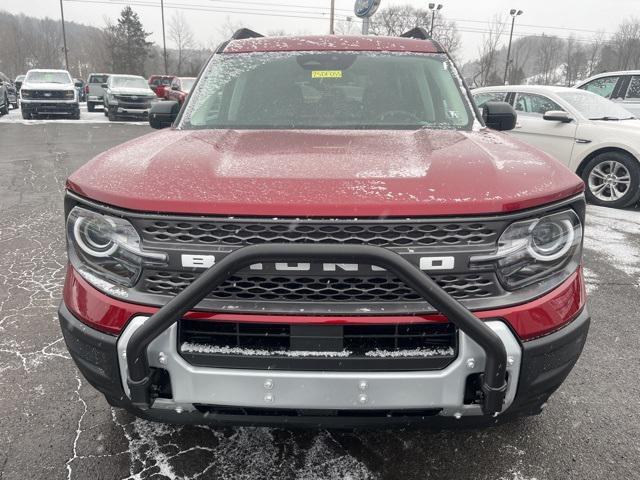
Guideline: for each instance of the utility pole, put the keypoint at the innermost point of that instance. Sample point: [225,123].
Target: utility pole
[64,38]
[164,38]
[331,20]
[514,13]
[434,9]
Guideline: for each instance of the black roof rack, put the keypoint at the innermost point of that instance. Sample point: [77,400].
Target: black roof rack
[243,33]
[418,32]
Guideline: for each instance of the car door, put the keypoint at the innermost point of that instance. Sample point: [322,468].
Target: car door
[555,138]
[631,96]
[608,87]
[172,92]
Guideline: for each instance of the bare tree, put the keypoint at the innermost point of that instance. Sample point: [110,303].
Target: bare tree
[576,61]
[626,42]
[182,37]
[397,19]
[548,59]
[487,71]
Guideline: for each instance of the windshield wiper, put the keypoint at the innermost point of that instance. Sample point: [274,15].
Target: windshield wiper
[607,119]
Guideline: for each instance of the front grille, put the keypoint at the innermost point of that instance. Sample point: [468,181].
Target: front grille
[131,99]
[348,289]
[47,94]
[382,233]
[269,288]
[277,345]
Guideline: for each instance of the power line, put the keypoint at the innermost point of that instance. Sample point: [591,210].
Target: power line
[206,8]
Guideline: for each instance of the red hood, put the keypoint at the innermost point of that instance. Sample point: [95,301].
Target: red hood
[325,173]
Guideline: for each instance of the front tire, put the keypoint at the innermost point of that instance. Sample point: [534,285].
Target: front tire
[90,107]
[5,108]
[75,115]
[612,180]
[25,114]
[111,114]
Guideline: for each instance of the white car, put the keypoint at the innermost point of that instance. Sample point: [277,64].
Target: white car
[619,87]
[594,137]
[49,92]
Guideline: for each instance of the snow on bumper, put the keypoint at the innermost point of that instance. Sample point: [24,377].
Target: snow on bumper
[441,389]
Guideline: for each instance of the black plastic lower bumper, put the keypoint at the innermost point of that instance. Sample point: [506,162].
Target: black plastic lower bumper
[546,363]
[47,108]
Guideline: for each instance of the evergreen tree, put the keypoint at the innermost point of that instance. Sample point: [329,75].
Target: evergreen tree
[127,43]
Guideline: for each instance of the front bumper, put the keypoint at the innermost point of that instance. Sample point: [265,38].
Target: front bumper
[542,365]
[54,107]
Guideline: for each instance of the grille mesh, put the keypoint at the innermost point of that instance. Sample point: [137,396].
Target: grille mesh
[319,289]
[239,233]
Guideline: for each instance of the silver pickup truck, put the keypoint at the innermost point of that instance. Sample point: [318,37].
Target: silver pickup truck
[94,90]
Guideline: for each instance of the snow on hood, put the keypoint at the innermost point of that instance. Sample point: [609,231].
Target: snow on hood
[47,86]
[329,173]
[143,92]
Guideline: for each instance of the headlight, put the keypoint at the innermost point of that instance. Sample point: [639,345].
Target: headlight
[25,93]
[69,94]
[532,250]
[106,250]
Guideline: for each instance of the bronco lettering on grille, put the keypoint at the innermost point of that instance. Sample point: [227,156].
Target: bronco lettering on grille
[426,263]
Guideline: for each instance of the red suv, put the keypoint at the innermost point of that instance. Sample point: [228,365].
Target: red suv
[332,234]
[160,84]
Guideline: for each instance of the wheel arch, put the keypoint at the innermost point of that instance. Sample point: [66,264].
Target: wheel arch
[597,152]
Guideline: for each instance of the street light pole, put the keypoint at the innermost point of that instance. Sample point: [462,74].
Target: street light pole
[514,13]
[331,19]
[164,38]
[434,9]
[64,38]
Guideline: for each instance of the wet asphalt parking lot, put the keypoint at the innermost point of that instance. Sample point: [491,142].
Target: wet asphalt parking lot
[53,425]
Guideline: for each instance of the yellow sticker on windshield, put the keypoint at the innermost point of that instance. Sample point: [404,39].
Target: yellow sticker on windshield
[326,74]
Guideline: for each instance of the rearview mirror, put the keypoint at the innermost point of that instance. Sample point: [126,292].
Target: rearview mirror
[499,116]
[557,116]
[163,114]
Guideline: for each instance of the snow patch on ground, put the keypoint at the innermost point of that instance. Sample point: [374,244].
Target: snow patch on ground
[201,452]
[591,280]
[610,233]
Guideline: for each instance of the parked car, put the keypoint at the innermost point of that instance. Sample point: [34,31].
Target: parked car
[94,90]
[49,92]
[159,83]
[619,87]
[308,242]
[8,95]
[179,89]
[18,82]
[80,88]
[594,137]
[127,95]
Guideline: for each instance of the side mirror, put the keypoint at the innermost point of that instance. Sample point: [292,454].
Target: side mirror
[174,87]
[557,116]
[104,85]
[163,114]
[499,116]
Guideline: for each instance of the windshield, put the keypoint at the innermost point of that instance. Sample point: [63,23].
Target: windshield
[48,77]
[594,107]
[128,82]
[187,84]
[98,78]
[343,90]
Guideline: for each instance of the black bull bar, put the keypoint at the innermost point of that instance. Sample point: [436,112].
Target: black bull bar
[494,384]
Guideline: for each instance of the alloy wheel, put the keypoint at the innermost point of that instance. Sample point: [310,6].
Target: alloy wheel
[609,181]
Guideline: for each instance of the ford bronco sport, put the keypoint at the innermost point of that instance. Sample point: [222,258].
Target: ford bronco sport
[329,234]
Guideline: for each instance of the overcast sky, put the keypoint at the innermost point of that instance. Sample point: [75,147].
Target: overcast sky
[560,17]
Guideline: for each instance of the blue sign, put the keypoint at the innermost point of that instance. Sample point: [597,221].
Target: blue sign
[366,8]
